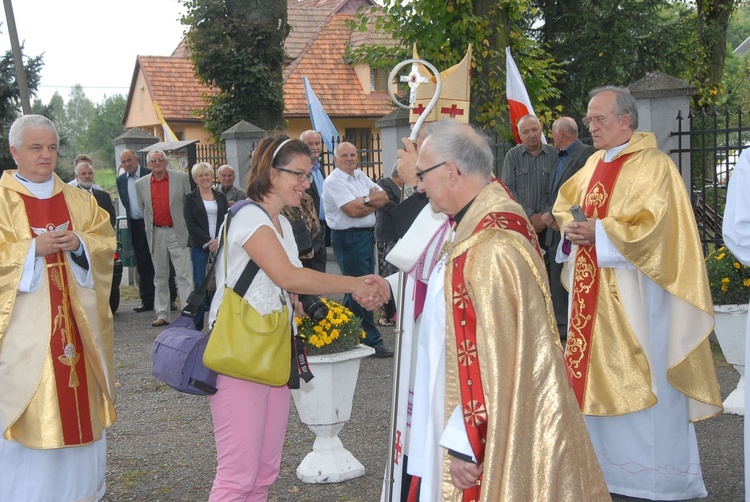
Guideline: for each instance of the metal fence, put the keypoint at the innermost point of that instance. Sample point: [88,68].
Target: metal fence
[213,153]
[712,140]
[368,146]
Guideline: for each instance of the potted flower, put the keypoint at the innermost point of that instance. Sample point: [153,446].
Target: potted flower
[340,331]
[729,279]
[325,403]
[730,289]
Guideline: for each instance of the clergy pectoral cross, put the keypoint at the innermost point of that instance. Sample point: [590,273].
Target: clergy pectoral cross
[414,79]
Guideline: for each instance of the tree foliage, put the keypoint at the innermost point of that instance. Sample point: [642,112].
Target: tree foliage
[10,98]
[490,26]
[612,42]
[84,127]
[237,46]
[563,49]
[712,24]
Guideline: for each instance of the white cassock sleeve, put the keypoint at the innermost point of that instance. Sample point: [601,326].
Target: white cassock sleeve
[736,226]
[34,265]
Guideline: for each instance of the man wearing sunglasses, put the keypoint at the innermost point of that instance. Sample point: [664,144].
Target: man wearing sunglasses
[350,199]
[637,353]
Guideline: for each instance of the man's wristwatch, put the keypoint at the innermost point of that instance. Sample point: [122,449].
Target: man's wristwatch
[367,200]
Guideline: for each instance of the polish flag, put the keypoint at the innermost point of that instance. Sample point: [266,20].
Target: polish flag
[519,103]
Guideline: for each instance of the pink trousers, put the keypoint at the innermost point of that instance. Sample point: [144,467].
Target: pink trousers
[249,426]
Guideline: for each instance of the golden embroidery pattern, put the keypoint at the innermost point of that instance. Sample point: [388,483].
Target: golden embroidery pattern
[585,275]
[61,322]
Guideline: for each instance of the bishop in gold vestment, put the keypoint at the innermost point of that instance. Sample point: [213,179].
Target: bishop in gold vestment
[507,418]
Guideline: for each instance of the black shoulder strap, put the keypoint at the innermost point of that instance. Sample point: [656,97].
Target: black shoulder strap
[197,297]
[251,270]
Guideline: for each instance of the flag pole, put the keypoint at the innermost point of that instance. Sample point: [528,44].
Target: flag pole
[414,79]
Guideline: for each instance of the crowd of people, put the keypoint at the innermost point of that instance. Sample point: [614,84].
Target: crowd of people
[557,330]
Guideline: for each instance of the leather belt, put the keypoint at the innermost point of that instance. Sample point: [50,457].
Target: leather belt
[357,229]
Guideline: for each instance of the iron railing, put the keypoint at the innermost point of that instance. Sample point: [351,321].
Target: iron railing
[712,141]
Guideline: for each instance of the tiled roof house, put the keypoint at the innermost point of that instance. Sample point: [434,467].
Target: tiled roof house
[354,96]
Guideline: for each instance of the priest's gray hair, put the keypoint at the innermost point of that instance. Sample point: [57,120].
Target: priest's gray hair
[624,102]
[464,144]
[15,136]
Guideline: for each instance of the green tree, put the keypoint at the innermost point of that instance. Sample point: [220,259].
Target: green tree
[104,126]
[79,112]
[237,46]
[10,99]
[739,27]
[490,26]
[612,42]
[712,23]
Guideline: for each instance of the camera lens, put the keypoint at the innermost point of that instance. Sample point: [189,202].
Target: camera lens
[314,307]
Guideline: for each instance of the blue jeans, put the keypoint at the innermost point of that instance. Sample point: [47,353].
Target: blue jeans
[355,254]
[199,257]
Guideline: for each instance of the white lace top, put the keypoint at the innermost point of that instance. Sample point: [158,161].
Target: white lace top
[263,294]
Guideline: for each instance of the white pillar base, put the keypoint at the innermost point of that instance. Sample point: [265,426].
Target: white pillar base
[329,462]
[735,402]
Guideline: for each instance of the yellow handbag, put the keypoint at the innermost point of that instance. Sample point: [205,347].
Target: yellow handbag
[244,344]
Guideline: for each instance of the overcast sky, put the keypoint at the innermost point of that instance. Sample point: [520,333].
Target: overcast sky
[92,42]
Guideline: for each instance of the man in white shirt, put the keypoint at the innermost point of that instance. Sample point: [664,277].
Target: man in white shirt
[350,199]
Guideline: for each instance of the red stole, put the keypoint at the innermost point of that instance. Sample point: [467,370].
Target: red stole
[586,279]
[464,317]
[49,215]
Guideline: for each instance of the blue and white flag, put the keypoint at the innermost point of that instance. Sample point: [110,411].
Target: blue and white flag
[320,120]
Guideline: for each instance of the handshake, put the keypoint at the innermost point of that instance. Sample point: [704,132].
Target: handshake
[372,291]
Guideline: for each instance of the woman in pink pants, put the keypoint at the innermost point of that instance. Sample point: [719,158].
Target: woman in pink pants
[249,418]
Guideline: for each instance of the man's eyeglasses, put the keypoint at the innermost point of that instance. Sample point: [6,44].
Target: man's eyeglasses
[420,174]
[597,121]
[299,174]
[156,161]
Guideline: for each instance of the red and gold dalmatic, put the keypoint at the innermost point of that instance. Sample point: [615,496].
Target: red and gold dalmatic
[56,351]
[641,203]
[504,364]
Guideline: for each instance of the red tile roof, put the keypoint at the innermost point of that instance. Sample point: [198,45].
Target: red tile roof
[331,78]
[172,83]
[315,48]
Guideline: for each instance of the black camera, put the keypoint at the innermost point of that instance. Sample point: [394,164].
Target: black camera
[314,307]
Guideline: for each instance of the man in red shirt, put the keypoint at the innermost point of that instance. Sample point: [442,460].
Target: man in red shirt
[160,198]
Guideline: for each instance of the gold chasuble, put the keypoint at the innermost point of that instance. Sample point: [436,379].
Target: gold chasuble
[56,351]
[504,364]
[640,199]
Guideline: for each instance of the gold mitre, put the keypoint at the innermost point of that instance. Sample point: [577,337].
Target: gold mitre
[454,93]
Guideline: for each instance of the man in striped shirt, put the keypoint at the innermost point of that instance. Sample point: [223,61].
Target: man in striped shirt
[526,171]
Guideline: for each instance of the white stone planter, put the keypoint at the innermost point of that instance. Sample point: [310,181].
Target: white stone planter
[731,323]
[325,405]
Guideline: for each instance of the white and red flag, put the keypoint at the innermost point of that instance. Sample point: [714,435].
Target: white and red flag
[519,103]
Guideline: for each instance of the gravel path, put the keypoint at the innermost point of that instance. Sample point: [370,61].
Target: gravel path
[161,448]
